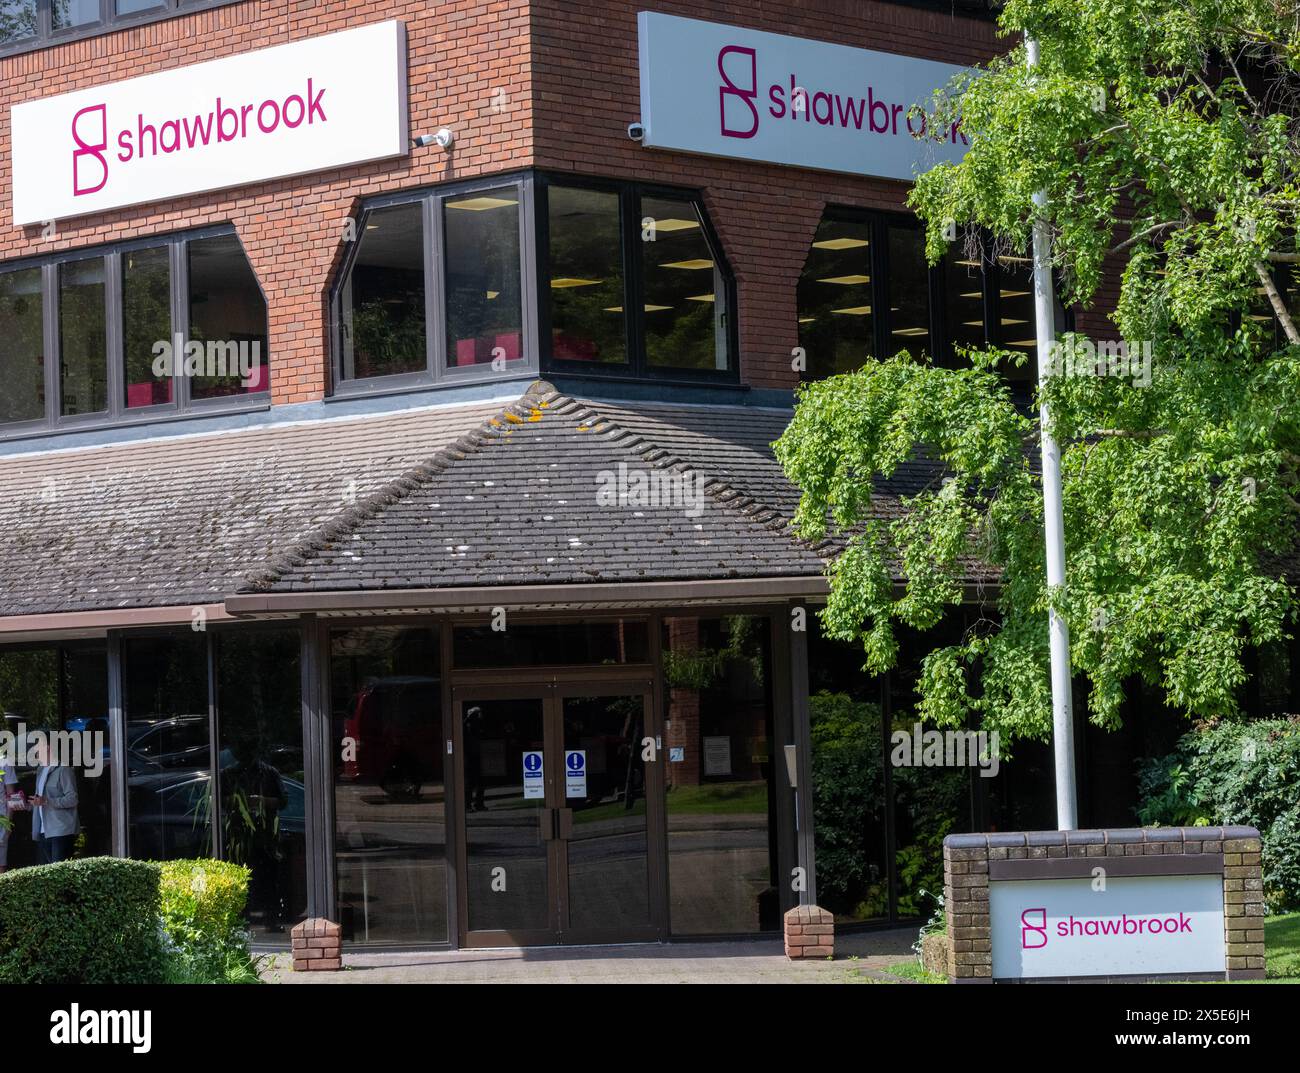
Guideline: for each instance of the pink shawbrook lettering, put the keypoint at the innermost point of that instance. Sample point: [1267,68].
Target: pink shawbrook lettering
[149,136]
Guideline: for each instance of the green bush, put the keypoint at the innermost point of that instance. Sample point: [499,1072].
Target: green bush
[203,919]
[1234,772]
[91,921]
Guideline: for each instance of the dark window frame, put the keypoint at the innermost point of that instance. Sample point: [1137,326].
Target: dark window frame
[436,372]
[108,22]
[118,413]
[941,350]
[630,195]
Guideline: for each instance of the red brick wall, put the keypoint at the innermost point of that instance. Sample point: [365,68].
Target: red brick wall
[588,90]
[460,53]
[569,72]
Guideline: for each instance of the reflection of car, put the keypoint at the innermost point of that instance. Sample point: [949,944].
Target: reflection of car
[393,729]
[170,814]
[168,744]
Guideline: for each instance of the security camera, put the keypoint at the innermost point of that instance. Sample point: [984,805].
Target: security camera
[443,137]
[421,140]
[636,131]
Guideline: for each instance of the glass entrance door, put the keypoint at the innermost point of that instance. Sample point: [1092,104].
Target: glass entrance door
[556,824]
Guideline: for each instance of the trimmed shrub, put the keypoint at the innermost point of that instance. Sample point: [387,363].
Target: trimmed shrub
[87,921]
[203,920]
[1234,772]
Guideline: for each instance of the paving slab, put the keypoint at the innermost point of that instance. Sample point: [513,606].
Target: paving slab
[862,957]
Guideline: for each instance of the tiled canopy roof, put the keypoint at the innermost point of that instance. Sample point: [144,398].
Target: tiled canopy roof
[442,497]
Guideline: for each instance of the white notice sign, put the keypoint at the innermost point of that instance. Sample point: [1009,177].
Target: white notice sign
[1138,925]
[717,755]
[730,91]
[534,776]
[575,773]
[322,102]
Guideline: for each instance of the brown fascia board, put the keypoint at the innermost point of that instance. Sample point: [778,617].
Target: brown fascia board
[70,625]
[609,594]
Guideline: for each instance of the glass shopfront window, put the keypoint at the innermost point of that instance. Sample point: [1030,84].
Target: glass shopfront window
[602,641]
[227,315]
[260,770]
[146,320]
[390,803]
[720,800]
[58,688]
[83,339]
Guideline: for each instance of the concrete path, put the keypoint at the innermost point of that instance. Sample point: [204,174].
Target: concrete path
[859,959]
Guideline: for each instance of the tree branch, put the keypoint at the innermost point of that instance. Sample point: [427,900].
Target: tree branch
[1279,306]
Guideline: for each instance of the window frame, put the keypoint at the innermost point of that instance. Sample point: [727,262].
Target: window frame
[630,197]
[118,414]
[108,22]
[436,371]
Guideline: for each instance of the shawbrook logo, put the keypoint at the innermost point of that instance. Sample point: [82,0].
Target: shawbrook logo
[1034,930]
[144,137]
[75,1025]
[742,103]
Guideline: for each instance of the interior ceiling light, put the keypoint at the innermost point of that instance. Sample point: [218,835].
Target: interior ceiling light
[481,204]
[846,281]
[695,264]
[1007,259]
[968,264]
[675,225]
[853,311]
[1013,320]
[648,309]
[1013,294]
[911,331]
[569,281]
[492,294]
[974,294]
[806,320]
[699,298]
[840,244]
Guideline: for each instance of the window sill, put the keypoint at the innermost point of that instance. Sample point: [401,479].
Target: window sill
[259,404]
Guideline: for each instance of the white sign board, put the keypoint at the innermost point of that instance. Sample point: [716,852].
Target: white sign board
[1138,925]
[534,776]
[575,773]
[309,105]
[728,91]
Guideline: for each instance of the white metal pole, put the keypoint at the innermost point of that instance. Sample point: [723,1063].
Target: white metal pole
[1067,810]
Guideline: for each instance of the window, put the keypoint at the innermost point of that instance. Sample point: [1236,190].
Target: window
[483,301]
[632,283]
[866,291]
[153,328]
[22,347]
[455,259]
[83,340]
[383,297]
[586,276]
[31,24]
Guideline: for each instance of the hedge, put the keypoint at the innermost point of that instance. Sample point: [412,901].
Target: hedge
[203,917]
[92,921]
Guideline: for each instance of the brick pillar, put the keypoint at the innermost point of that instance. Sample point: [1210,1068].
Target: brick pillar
[966,903]
[809,932]
[1243,904]
[317,946]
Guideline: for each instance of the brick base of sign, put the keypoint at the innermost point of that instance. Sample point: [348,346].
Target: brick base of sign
[809,932]
[966,868]
[317,946]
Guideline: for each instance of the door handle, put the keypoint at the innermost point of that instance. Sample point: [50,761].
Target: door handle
[546,817]
[564,816]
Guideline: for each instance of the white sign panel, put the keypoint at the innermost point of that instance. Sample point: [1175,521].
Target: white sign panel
[1139,925]
[318,103]
[534,776]
[728,91]
[575,773]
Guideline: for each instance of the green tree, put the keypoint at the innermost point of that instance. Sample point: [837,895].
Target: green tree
[1164,134]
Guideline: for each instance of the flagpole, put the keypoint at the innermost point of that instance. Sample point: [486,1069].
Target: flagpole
[1067,813]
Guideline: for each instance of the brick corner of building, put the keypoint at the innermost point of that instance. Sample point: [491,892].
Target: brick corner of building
[809,932]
